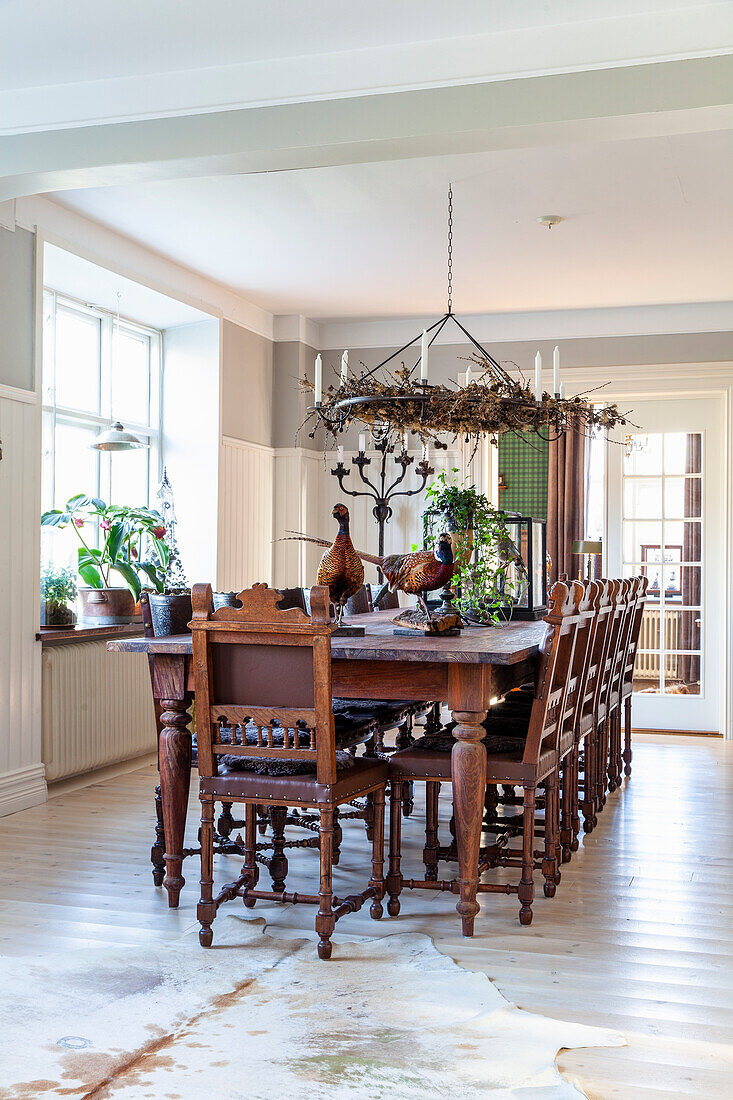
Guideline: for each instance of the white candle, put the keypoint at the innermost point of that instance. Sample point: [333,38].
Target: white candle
[556,371]
[468,375]
[344,367]
[424,357]
[424,452]
[405,439]
[340,453]
[319,379]
[362,441]
[538,377]
[561,391]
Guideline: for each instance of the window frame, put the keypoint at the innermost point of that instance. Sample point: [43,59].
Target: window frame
[54,414]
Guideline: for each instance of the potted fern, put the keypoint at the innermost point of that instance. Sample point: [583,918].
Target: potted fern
[487,561]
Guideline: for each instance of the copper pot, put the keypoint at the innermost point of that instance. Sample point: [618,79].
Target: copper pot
[106,606]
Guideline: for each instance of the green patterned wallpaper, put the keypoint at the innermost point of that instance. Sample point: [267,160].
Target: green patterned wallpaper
[523,463]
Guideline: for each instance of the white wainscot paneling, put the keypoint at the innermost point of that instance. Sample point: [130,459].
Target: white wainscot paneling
[21,771]
[97,708]
[299,480]
[246,473]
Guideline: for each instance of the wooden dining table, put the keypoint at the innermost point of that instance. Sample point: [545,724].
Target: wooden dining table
[466,672]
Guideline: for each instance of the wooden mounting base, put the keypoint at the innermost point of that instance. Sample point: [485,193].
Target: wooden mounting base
[414,621]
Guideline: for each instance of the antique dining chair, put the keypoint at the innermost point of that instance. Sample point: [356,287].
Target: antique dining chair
[621,595]
[585,720]
[614,768]
[627,685]
[525,760]
[266,736]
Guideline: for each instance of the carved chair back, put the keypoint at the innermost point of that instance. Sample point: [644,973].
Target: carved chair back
[588,612]
[620,622]
[597,647]
[555,686]
[262,679]
[627,679]
[361,602]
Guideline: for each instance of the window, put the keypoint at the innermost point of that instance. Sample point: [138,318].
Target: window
[662,539]
[96,371]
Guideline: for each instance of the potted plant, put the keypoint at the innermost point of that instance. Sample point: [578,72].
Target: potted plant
[170,606]
[58,591]
[130,547]
[489,568]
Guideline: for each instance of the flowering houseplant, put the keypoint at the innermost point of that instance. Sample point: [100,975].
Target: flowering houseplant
[131,542]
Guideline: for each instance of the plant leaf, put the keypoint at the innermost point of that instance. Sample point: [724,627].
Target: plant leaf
[129,576]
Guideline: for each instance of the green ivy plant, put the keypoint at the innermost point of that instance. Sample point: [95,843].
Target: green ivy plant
[58,590]
[487,580]
[131,542]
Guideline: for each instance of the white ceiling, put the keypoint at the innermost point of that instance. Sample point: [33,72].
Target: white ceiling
[646,221]
[66,64]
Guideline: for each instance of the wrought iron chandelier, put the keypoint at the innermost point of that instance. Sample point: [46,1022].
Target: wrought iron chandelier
[491,402]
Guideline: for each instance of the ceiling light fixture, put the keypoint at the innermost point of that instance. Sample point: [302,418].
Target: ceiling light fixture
[490,403]
[548,220]
[115,438]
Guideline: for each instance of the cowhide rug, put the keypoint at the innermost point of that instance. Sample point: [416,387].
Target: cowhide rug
[259,1018]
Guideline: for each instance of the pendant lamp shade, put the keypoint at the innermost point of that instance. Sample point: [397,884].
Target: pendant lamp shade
[117,439]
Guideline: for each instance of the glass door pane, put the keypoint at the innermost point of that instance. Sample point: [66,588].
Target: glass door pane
[662,499]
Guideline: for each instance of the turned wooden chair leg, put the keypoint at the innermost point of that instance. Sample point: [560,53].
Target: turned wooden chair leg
[157,852]
[225,824]
[263,819]
[338,836]
[369,816]
[575,800]
[206,910]
[278,861]
[394,878]
[627,737]
[377,879]
[325,921]
[250,869]
[430,851]
[549,863]
[566,826]
[525,891]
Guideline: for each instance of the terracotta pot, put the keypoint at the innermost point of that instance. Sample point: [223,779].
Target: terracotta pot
[170,614]
[106,606]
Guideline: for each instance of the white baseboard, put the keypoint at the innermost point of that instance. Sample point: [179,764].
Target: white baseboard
[21,789]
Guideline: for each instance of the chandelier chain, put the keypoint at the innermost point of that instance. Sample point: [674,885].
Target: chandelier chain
[450,249]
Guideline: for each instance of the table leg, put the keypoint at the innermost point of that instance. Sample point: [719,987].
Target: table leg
[174,762]
[468,766]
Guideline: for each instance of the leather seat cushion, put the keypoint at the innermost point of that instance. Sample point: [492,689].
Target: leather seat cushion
[363,774]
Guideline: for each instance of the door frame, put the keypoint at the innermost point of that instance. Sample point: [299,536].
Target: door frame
[704,713]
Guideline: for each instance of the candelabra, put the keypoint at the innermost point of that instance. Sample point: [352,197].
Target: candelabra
[381,493]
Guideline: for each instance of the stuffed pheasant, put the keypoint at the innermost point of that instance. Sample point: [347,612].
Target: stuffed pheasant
[415,574]
[341,567]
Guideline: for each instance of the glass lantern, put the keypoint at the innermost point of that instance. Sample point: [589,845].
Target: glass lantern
[527,572]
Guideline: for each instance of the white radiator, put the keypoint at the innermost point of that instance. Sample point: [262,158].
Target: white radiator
[647,664]
[97,708]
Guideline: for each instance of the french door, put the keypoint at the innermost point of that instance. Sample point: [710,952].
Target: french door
[665,521]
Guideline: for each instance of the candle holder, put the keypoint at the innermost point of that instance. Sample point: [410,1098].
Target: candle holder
[381,493]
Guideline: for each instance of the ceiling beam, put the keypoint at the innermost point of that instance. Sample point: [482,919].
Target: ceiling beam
[596,105]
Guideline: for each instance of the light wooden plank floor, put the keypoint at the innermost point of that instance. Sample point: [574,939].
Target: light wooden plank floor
[639,937]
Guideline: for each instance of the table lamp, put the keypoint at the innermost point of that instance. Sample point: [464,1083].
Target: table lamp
[592,549]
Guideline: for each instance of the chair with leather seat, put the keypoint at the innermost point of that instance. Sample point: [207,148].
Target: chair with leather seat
[527,754]
[627,684]
[266,736]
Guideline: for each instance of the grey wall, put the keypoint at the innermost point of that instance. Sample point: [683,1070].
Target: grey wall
[291,361]
[17,287]
[246,385]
